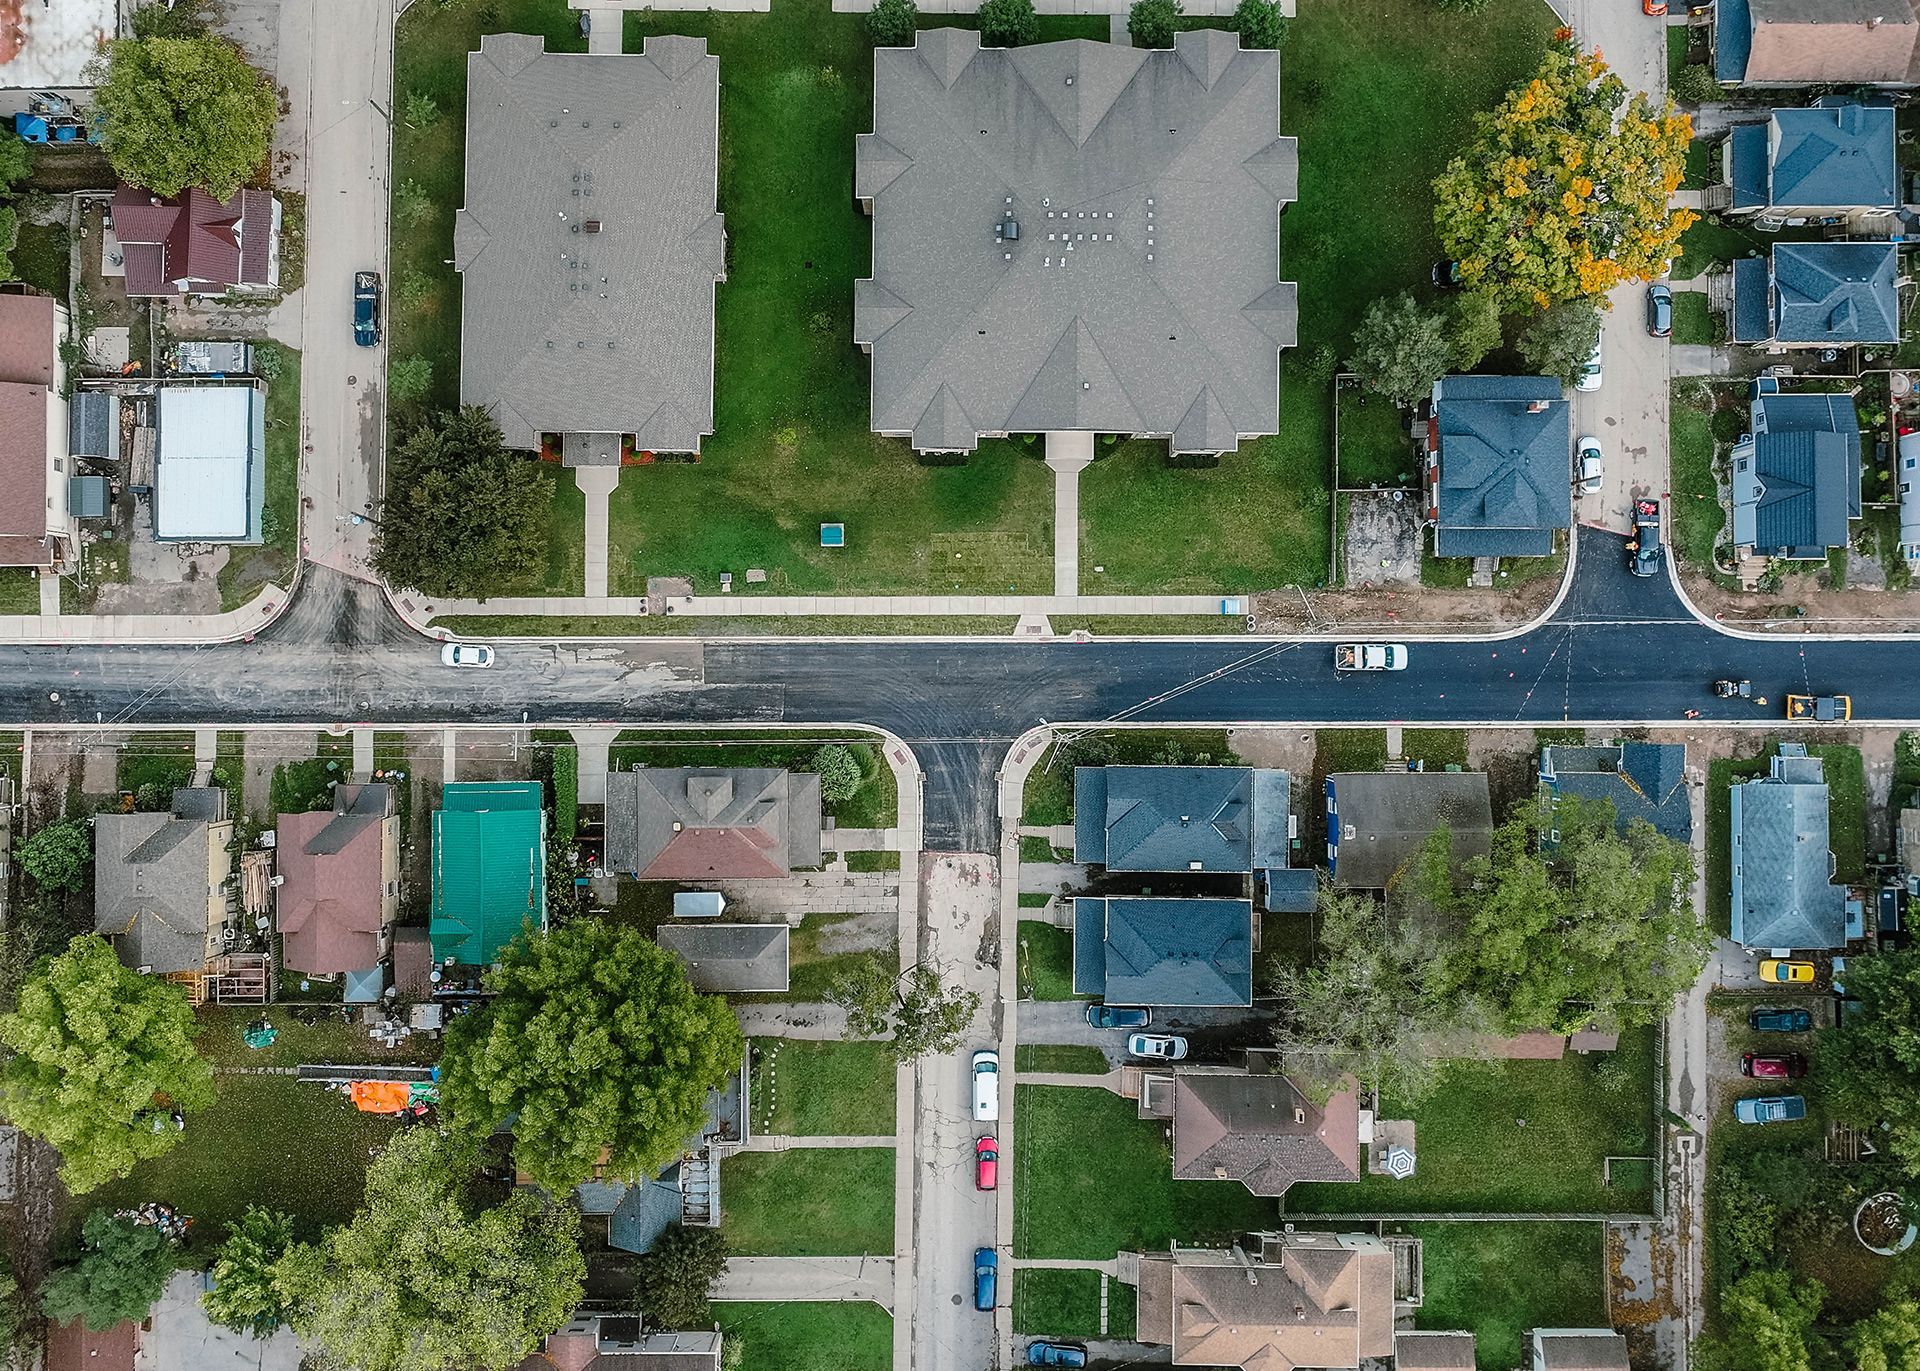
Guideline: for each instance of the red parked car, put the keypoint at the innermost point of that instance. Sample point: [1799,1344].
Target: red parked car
[986,1164]
[1776,1066]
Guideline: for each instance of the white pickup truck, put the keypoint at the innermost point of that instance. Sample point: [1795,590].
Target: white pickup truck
[1370,657]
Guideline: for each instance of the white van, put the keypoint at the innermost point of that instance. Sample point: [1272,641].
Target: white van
[986,1086]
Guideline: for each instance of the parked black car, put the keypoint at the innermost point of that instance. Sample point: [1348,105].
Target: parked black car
[1647,552]
[1780,1021]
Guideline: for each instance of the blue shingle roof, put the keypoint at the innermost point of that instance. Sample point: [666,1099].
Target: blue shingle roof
[1291,890]
[1164,952]
[1836,293]
[1748,170]
[1642,781]
[1751,314]
[1797,485]
[1505,459]
[1782,892]
[1835,156]
[1167,818]
[1732,40]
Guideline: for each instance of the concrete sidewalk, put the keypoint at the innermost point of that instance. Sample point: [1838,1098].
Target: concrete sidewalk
[128,629]
[182,1336]
[790,1142]
[597,484]
[820,1022]
[847,606]
[1068,454]
[807,1278]
[593,745]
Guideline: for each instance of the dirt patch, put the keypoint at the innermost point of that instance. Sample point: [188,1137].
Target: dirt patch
[262,753]
[1288,749]
[1283,611]
[1381,539]
[960,922]
[1805,604]
[1510,757]
[875,931]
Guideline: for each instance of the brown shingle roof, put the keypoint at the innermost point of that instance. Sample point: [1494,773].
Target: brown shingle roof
[26,372]
[330,899]
[208,243]
[1808,42]
[1262,1132]
[71,1347]
[1433,1352]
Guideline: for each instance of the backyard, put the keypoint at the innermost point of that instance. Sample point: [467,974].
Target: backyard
[816,1202]
[808,1087]
[1374,449]
[1090,1180]
[1499,1279]
[852,1336]
[1517,1137]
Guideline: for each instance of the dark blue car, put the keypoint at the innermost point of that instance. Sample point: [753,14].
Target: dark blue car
[366,308]
[1056,1354]
[1113,1016]
[986,1267]
[1780,1021]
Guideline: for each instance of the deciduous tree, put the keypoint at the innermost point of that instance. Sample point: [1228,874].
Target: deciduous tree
[923,1013]
[409,378]
[1152,23]
[1260,24]
[1767,1325]
[122,1268]
[1008,23]
[1871,1061]
[427,1279]
[1887,1339]
[184,112]
[1400,349]
[247,1294]
[1564,190]
[594,1039]
[677,1276]
[102,1057]
[891,23]
[1595,928]
[58,854]
[462,515]
[1473,328]
[1559,342]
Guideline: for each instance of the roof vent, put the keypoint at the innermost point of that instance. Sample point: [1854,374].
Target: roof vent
[1299,1114]
[1219,1173]
[1536,407]
[1196,866]
[593,226]
[1069,80]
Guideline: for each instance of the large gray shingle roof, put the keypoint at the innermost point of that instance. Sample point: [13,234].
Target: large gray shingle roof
[1162,314]
[1836,292]
[1165,952]
[1783,892]
[1168,818]
[1506,451]
[565,330]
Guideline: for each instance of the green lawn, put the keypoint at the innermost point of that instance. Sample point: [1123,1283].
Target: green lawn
[1077,1058]
[1697,515]
[811,965]
[19,591]
[876,804]
[1846,820]
[1374,449]
[1123,1310]
[1437,747]
[818,1202]
[1091,1180]
[1046,961]
[249,568]
[1476,1155]
[1349,749]
[40,258]
[162,759]
[809,1337]
[1693,322]
[1061,1304]
[267,1140]
[801,1086]
[1498,1280]
[1049,794]
[1380,93]
[736,626]
[1702,165]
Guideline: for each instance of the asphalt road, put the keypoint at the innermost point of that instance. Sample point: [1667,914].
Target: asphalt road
[1619,650]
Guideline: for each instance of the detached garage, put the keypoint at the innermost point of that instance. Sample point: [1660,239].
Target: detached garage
[209,464]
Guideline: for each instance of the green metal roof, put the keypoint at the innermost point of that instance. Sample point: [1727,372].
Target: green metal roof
[489,867]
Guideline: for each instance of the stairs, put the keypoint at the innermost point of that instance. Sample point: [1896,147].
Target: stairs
[700,1190]
[1720,292]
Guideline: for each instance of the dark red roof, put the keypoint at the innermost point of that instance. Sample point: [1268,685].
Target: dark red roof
[708,853]
[210,244]
[26,372]
[70,1347]
[329,903]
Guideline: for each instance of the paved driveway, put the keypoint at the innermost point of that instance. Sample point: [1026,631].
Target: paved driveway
[183,1337]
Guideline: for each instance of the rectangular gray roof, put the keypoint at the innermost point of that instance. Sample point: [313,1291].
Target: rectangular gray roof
[1164,952]
[1640,780]
[727,958]
[591,241]
[1168,818]
[712,823]
[1378,820]
[1796,484]
[151,885]
[1782,868]
[1836,156]
[1506,452]
[1075,235]
[1836,293]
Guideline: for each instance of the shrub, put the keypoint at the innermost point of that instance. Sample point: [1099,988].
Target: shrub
[1260,24]
[1728,424]
[1151,23]
[941,459]
[1693,84]
[57,857]
[566,792]
[891,23]
[268,361]
[1008,23]
[1193,461]
[409,379]
[840,774]
[422,111]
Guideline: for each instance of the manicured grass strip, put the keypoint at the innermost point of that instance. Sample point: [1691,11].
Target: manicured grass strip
[1693,322]
[806,1087]
[1034,849]
[249,568]
[850,1336]
[1497,1280]
[1059,1304]
[267,1140]
[820,1202]
[1123,1310]
[873,861]
[745,626]
[1437,747]
[1077,1058]
[1092,1180]
[1033,899]
[1349,749]
[1046,961]
[1515,1137]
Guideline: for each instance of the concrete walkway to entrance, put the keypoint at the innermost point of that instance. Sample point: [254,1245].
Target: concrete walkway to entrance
[593,744]
[596,483]
[1068,454]
[807,1278]
[605,27]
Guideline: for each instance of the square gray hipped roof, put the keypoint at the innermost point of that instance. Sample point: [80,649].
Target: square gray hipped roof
[1155,308]
[1163,952]
[1836,293]
[1838,155]
[1505,450]
[1167,818]
[1640,780]
[569,328]
[1782,871]
[1377,821]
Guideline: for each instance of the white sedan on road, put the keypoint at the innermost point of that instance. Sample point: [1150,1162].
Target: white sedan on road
[466,654]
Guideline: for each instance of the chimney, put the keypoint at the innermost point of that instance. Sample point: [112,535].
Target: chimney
[1299,1114]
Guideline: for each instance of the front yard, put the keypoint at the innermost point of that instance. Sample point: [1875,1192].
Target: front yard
[809,1337]
[808,1087]
[1498,1280]
[1091,1180]
[875,804]
[1046,961]
[816,1202]
[1517,1137]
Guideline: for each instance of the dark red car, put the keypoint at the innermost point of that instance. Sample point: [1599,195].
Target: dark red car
[1773,1066]
[986,1164]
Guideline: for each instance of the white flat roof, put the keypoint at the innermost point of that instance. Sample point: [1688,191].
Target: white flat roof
[61,39]
[206,457]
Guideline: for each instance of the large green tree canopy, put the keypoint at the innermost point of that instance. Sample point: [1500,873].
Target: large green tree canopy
[1871,1061]
[425,1278]
[122,1268]
[1564,190]
[185,112]
[102,1055]
[594,1040]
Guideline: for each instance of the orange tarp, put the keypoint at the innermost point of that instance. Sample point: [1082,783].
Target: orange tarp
[378,1097]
